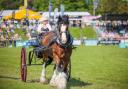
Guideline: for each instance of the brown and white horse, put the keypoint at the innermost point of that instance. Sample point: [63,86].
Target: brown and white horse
[59,50]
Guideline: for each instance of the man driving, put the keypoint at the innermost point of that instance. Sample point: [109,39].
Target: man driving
[44,26]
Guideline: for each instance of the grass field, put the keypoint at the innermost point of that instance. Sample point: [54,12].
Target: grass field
[98,67]
[87,32]
[76,32]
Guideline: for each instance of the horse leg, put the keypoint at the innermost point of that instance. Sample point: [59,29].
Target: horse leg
[53,79]
[61,78]
[67,68]
[43,74]
[49,61]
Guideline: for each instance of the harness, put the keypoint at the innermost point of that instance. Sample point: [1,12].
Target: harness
[57,37]
[69,41]
[41,35]
[44,29]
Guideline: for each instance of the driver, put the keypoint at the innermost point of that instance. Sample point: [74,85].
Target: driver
[44,26]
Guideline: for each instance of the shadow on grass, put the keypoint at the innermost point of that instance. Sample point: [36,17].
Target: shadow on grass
[34,64]
[33,81]
[39,64]
[14,78]
[8,77]
[77,83]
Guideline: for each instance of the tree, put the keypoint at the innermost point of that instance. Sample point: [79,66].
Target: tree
[75,5]
[113,6]
[10,4]
[105,6]
[42,5]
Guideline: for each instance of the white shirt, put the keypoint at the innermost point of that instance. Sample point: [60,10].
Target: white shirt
[40,26]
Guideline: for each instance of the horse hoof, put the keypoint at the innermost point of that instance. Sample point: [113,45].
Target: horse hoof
[44,81]
[52,83]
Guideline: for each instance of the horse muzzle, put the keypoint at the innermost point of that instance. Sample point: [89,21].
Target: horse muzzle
[63,38]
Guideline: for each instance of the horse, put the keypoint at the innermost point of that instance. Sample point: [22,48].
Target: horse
[59,47]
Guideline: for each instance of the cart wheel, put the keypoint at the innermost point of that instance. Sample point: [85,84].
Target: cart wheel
[30,57]
[23,65]
[69,70]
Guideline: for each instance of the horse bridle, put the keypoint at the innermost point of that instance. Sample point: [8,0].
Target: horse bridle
[69,41]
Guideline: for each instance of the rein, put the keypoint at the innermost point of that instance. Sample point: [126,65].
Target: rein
[58,32]
[56,39]
[69,41]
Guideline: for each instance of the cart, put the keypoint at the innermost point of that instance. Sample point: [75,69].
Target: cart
[33,54]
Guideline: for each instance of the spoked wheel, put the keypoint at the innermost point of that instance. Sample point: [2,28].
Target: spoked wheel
[31,53]
[69,70]
[23,65]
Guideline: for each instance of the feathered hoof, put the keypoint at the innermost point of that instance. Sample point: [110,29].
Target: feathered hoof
[43,81]
[52,83]
[61,81]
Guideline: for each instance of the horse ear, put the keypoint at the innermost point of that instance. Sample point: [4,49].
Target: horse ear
[59,19]
[67,18]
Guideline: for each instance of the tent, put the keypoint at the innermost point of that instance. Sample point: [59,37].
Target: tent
[21,14]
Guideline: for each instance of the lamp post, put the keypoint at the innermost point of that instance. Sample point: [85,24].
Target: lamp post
[26,5]
[95,5]
[26,18]
[50,8]
[62,8]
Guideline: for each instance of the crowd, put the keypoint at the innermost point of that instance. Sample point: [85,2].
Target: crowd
[112,30]
[8,34]
[106,30]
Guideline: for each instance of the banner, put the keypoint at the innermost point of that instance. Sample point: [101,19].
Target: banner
[76,42]
[123,44]
[91,42]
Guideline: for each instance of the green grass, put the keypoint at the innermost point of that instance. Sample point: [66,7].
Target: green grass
[21,33]
[87,32]
[98,67]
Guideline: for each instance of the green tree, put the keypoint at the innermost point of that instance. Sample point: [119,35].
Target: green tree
[113,6]
[123,7]
[75,5]
[10,4]
[42,5]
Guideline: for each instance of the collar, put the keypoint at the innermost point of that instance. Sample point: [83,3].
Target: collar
[69,42]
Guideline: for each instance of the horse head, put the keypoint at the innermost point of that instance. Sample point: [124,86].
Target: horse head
[63,23]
